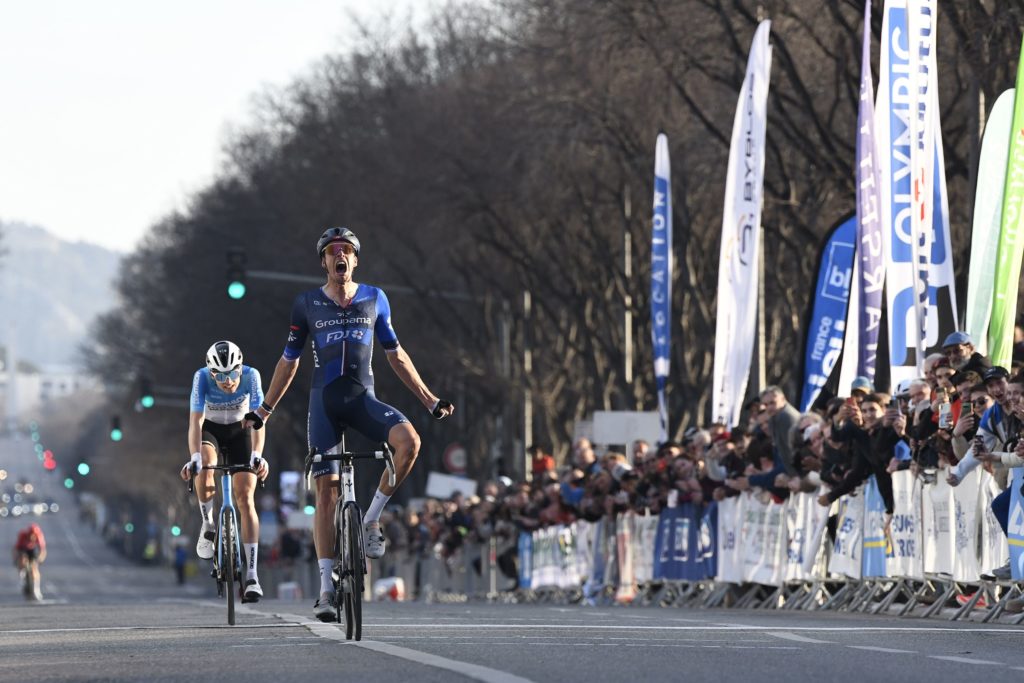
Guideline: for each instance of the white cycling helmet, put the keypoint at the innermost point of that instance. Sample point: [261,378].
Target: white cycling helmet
[224,356]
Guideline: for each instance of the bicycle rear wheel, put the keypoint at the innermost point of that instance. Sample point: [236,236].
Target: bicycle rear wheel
[228,558]
[357,564]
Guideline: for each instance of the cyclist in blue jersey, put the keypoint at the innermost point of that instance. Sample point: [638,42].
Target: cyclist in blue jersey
[222,393]
[342,317]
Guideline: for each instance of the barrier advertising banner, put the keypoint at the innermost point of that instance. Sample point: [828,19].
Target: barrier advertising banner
[847,550]
[763,541]
[937,530]
[730,562]
[875,543]
[906,559]
[1015,528]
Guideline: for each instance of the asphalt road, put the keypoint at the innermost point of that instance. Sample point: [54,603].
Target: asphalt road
[105,619]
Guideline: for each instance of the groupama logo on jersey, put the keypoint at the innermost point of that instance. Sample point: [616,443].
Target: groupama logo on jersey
[320,324]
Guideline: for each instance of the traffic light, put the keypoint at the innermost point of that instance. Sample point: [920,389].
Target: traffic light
[236,272]
[146,398]
[115,429]
[83,468]
[48,462]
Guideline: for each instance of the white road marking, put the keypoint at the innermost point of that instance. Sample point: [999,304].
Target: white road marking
[965,660]
[796,638]
[474,671]
[872,648]
[641,627]
[86,629]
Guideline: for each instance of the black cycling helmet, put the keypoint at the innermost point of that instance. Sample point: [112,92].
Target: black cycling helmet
[336,235]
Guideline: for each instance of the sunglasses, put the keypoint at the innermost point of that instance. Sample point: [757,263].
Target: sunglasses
[339,248]
[232,376]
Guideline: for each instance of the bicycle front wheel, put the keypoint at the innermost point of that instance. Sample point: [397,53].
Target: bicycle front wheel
[228,558]
[357,563]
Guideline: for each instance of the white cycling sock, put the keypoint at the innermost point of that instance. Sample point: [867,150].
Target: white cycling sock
[206,510]
[251,551]
[376,507]
[326,585]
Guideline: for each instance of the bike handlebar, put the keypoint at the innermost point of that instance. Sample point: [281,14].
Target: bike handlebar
[229,469]
[383,453]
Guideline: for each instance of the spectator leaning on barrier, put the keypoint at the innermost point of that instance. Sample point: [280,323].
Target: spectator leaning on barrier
[781,418]
[974,396]
[997,427]
[872,436]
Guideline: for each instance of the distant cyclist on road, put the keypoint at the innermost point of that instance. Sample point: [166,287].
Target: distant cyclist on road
[28,552]
[222,393]
[342,317]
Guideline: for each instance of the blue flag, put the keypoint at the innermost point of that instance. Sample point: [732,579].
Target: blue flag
[661,275]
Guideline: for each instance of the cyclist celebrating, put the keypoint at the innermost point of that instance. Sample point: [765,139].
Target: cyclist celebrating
[29,550]
[342,317]
[222,392]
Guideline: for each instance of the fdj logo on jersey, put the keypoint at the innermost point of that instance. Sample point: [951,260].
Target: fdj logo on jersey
[345,335]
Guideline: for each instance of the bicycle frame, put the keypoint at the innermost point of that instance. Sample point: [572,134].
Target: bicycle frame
[228,505]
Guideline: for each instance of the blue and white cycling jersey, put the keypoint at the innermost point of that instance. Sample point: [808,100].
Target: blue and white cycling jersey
[221,407]
[342,336]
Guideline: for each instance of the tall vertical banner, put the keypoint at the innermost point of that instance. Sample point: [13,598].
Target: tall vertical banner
[661,275]
[988,213]
[826,327]
[741,236]
[870,281]
[1011,238]
[920,289]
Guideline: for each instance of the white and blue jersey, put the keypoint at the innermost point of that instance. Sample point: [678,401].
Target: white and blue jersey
[220,406]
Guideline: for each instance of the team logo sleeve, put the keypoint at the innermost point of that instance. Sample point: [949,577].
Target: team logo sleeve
[198,392]
[298,330]
[382,326]
[255,389]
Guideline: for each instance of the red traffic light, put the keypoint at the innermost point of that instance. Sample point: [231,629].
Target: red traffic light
[47,455]
[50,464]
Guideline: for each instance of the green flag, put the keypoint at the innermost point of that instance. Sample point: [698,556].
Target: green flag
[1011,238]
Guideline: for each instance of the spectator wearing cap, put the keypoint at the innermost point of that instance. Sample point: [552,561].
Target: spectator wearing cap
[861,387]
[998,424]
[959,350]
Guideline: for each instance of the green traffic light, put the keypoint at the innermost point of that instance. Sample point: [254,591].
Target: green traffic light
[175,530]
[69,483]
[39,448]
[83,468]
[309,509]
[116,435]
[236,289]
[147,401]
[35,436]
[129,527]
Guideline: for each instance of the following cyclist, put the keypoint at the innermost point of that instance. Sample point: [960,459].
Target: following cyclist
[342,317]
[222,392]
[29,550]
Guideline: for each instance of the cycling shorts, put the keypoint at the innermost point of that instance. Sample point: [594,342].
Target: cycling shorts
[231,441]
[346,403]
[31,554]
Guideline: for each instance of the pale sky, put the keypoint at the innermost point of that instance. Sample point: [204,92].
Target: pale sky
[115,111]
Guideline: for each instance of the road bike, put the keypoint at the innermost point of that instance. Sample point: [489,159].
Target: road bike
[349,567]
[228,561]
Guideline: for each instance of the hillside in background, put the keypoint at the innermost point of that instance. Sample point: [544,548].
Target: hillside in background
[50,290]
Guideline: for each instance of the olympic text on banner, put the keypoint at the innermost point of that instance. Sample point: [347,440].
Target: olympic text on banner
[661,275]
[920,288]
[828,309]
[741,235]
[988,211]
[1011,238]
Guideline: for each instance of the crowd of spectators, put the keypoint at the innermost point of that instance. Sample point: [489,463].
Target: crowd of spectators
[961,414]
